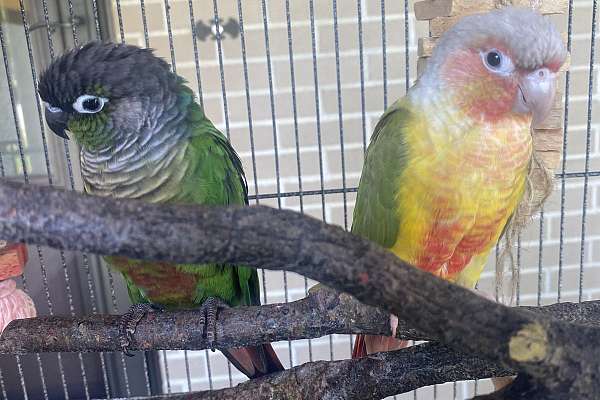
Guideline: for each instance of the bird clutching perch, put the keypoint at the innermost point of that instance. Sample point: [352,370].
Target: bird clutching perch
[448,164]
[143,136]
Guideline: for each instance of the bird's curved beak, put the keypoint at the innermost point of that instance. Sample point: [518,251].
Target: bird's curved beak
[57,121]
[536,94]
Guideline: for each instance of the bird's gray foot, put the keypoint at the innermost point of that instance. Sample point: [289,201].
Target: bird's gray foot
[129,321]
[210,311]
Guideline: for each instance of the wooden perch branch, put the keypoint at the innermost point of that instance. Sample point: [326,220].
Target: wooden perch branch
[322,312]
[367,378]
[557,354]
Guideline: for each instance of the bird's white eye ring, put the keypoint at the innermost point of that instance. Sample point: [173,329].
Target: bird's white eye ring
[89,104]
[53,109]
[497,62]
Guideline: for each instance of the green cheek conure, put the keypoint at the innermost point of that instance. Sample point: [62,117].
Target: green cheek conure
[143,136]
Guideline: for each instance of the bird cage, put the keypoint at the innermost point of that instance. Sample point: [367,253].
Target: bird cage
[297,87]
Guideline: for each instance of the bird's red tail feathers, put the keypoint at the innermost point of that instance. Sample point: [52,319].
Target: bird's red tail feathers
[369,344]
[254,361]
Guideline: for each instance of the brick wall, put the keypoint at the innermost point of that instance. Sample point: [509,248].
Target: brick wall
[324,168]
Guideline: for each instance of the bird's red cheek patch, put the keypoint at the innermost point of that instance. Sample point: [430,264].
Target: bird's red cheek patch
[479,92]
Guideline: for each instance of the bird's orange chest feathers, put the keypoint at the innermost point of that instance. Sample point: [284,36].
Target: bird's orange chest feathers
[455,201]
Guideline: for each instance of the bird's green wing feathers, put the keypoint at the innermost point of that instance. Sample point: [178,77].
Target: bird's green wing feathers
[375,212]
[217,178]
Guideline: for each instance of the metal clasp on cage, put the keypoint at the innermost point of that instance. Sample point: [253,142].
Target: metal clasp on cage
[215,29]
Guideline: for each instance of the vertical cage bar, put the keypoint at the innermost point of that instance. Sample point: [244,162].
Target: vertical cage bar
[2,386]
[170,35]
[97,19]
[73,24]
[217,22]
[288,20]
[22,378]
[317,102]
[540,257]
[187,371]
[34,78]
[518,300]
[51,312]
[384,55]
[196,56]
[208,370]
[361,59]
[144,23]
[113,296]
[271,100]
[250,126]
[318,121]
[120,19]
[167,374]
[406,46]
[248,105]
[561,239]
[265,21]
[144,355]
[588,138]
[340,109]
[221,67]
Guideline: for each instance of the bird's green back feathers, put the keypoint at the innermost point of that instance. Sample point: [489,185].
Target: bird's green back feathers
[375,212]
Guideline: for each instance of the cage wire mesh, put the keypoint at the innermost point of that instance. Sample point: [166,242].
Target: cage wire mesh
[297,86]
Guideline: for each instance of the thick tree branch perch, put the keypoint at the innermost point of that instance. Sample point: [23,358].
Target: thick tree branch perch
[563,356]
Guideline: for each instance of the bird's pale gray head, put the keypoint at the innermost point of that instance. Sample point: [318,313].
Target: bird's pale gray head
[103,89]
[532,39]
[500,62]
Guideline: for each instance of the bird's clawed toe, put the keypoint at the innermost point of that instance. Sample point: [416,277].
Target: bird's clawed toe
[128,324]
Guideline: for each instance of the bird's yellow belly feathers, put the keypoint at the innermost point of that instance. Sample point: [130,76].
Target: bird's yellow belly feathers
[455,199]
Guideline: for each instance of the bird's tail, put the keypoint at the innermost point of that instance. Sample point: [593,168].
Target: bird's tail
[369,344]
[254,361]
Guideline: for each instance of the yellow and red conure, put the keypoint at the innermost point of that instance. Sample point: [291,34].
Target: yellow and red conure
[458,190]
[447,164]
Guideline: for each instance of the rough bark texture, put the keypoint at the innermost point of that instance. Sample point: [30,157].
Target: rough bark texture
[323,312]
[368,378]
[561,356]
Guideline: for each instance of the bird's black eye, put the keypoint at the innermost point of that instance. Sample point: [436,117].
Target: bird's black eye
[497,62]
[92,104]
[89,104]
[494,59]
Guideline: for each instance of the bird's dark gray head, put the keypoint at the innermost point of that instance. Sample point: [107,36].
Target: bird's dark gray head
[100,89]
